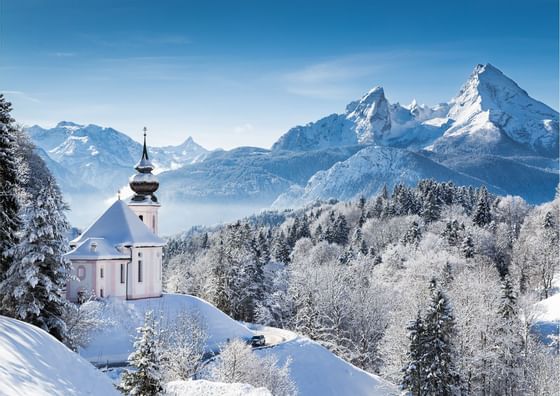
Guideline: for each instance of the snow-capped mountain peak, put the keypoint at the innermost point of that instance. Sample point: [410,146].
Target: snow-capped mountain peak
[490,103]
[370,116]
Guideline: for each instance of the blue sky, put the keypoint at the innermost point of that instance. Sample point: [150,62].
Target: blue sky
[233,73]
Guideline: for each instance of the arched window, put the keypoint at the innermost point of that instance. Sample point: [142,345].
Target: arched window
[101,293]
[140,274]
[122,273]
[141,217]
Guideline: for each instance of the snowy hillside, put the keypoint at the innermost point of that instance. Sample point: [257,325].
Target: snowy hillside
[316,371]
[114,344]
[33,362]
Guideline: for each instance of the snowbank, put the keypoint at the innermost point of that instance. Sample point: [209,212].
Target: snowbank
[114,344]
[208,388]
[316,371]
[33,362]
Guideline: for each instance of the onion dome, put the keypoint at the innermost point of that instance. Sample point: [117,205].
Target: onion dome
[144,183]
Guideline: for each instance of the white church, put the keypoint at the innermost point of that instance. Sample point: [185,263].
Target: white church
[120,254]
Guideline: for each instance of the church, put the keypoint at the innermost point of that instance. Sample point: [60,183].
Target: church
[120,254]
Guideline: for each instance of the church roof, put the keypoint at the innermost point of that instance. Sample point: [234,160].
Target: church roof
[96,249]
[119,226]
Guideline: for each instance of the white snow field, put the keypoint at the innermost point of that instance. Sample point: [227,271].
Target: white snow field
[115,343]
[32,362]
[209,388]
[317,371]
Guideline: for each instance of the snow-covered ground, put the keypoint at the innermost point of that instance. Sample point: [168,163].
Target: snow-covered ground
[115,343]
[316,371]
[548,317]
[209,388]
[33,362]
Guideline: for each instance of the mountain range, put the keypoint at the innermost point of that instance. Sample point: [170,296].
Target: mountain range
[491,133]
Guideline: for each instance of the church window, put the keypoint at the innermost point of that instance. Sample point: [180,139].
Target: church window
[101,272]
[81,273]
[101,293]
[139,254]
[141,217]
[154,222]
[140,274]
[122,273]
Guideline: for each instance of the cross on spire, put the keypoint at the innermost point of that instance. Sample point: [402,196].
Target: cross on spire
[145,151]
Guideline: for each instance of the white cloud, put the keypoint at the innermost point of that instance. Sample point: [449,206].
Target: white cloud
[245,128]
[21,94]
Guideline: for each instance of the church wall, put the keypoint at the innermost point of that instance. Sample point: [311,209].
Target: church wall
[87,281]
[150,284]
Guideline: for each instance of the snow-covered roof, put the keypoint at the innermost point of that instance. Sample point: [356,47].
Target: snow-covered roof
[95,249]
[120,226]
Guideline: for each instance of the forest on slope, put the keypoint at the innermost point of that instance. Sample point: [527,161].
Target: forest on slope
[393,283]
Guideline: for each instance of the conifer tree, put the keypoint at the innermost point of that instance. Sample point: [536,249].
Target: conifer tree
[438,361]
[10,222]
[413,372]
[33,288]
[146,379]
[431,209]
[482,215]
[468,247]
[413,235]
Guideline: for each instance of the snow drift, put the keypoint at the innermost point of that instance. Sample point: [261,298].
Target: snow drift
[32,362]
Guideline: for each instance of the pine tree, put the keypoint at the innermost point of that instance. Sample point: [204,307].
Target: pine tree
[282,249]
[33,288]
[439,376]
[482,215]
[414,369]
[341,231]
[146,379]
[468,247]
[412,235]
[264,251]
[431,209]
[10,222]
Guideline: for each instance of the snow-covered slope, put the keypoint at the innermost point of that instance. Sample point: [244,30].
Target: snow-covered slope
[367,171]
[247,174]
[115,343]
[33,362]
[316,371]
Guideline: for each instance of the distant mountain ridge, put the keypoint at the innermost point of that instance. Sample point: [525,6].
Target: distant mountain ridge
[103,158]
[492,132]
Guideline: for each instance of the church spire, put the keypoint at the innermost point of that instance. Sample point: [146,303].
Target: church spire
[144,183]
[145,151]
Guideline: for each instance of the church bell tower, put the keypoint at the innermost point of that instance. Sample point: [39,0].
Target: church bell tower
[144,184]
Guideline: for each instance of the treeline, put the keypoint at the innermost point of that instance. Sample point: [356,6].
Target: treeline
[433,287]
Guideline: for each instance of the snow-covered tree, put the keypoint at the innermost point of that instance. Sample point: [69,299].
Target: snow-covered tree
[237,363]
[439,375]
[181,347]
[33,286]
[414,371]
[482,215]
[10,222]
[145,378]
